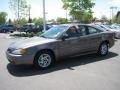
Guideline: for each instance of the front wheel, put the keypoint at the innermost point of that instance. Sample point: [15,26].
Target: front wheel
[103,49]
[44,60]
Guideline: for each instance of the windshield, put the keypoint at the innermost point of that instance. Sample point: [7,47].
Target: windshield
[54,32]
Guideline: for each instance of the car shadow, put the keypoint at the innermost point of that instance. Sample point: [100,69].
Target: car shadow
[68,63]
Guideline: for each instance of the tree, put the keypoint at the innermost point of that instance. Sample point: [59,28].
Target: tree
[3,17]
[21,21]
[87,17]
[118,19]
[10,21]
[79,8]
[104,19]
[37,21]
[19,7]
[61,20]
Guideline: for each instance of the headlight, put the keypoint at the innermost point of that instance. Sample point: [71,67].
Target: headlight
[19,51]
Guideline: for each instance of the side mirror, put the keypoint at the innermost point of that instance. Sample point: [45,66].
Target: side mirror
[64,36]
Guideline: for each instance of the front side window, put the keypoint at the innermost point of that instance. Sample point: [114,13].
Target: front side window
[72,32]
[82,30]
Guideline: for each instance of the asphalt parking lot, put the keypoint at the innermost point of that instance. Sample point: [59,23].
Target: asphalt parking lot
[88,72]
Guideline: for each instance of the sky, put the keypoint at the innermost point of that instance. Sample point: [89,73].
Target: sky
[54,8]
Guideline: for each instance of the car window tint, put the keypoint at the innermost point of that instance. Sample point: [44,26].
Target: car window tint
[92,30]
[72,32]
[81,30]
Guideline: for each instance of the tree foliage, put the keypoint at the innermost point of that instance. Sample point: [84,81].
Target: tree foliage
[21,21]
[118,19]
[3,17]
[61,20]
[9,21]
[19,8]
[104,19]
[37,21]
[79,9]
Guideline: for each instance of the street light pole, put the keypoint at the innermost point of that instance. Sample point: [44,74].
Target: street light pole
[29,14]
[44,17]
[112,11]
[18,9]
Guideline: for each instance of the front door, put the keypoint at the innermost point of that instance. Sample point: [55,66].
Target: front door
[75,44]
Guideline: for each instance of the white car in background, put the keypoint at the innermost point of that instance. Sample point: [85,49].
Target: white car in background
[115,29]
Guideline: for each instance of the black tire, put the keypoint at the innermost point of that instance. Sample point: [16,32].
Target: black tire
[38,61]
[103,49]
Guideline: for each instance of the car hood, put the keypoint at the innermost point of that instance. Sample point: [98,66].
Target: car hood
[26,43]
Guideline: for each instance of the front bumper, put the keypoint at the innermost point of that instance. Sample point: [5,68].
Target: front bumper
[19,59]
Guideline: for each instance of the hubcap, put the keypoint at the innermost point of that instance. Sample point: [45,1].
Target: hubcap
[104,49]
[44,60]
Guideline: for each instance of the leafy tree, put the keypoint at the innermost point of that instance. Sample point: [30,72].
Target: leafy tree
[37,21]
[10,21]
[19,7]
[118,19]
[104,19]
[3,17]
[61,20]
[87,17]
[79,8]
[21,21]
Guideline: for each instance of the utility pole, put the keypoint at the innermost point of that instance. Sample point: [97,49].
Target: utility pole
[18,9]
[44,17]
[29,15]
[66,12]
[112,11]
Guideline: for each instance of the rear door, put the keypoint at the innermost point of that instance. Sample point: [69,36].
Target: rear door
[94,37]
[83,41]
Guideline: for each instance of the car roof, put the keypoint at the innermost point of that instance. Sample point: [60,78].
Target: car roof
[75,24]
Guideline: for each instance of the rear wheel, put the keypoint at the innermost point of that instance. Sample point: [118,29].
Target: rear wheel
[44,60]
[103,49]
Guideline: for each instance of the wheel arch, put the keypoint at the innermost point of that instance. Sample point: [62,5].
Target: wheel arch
[44,50]
[105,41]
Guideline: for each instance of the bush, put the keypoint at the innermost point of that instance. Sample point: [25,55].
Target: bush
[26,34]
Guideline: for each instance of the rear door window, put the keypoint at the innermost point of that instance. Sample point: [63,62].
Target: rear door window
[92,30]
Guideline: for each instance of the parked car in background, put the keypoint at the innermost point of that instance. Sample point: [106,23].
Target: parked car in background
[7,28]
[114,29]
[41,28]
[33,28]
[27,27]
[103,27]
[59,42]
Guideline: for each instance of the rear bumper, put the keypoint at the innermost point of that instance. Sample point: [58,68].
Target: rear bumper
[111,43]
[117,35]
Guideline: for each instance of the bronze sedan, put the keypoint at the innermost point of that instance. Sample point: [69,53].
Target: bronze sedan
[59,42]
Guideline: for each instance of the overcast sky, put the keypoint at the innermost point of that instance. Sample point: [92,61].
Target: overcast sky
[54,8]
